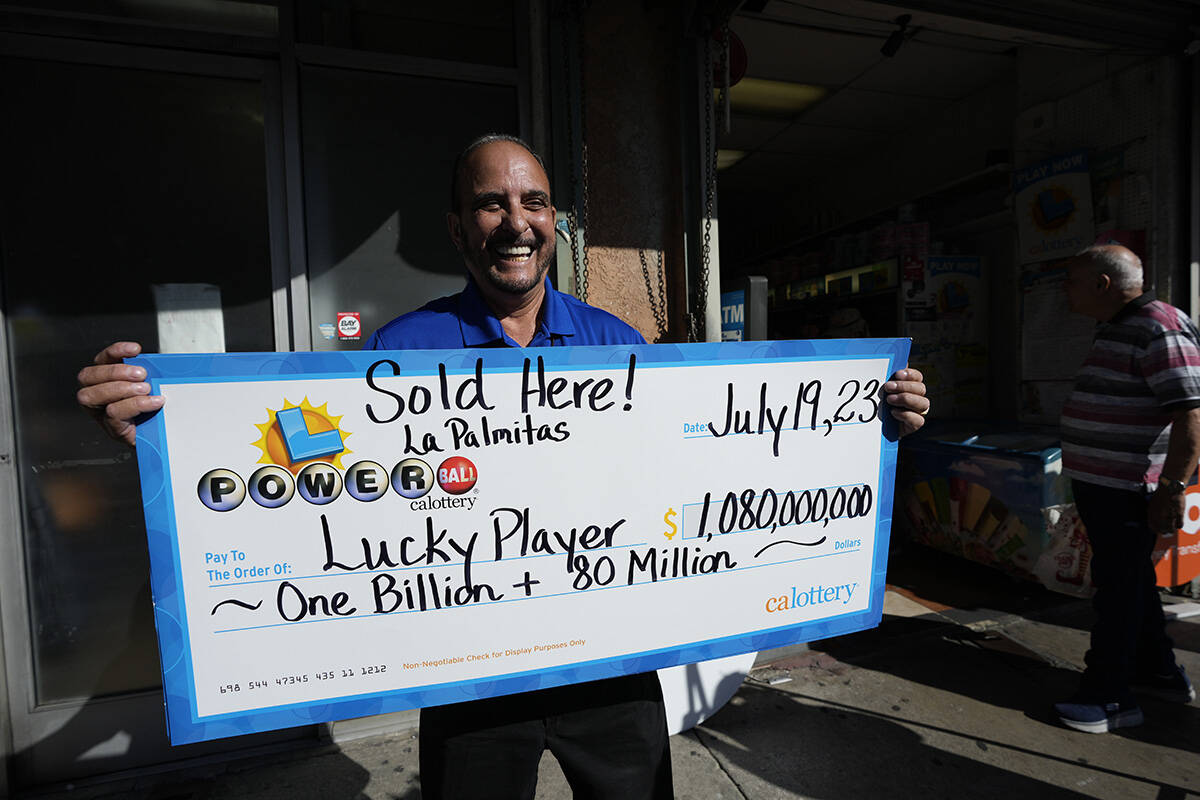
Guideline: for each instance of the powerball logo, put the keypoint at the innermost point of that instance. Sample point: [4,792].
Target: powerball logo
[303,452]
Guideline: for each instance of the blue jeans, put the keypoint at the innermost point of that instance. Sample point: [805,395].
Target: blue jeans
[1129,636]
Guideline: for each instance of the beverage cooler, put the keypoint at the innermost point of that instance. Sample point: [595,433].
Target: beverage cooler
[995,495]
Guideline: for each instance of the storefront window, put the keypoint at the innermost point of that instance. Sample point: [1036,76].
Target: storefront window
[378,150]
[117,181]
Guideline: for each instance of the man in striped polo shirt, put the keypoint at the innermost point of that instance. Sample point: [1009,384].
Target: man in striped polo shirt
[1130,441]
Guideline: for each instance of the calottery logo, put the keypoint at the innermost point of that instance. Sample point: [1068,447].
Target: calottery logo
[817,595]
[303,451]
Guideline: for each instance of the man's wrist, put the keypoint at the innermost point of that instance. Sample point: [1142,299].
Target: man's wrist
[1171,486]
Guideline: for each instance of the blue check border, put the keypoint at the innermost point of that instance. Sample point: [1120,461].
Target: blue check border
[185,725]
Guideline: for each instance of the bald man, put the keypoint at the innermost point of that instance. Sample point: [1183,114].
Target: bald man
[1130,440]
[610,735]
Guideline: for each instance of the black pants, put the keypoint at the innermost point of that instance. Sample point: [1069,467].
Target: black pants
[1129,637]
[609,736]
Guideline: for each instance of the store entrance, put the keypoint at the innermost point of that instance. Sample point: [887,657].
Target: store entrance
[136,208]
[867,170]
[894,171]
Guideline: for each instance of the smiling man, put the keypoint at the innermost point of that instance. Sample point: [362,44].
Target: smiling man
[609,736]
[502,223]
[513,251]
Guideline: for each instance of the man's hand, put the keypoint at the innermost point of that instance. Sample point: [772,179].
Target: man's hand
[1164,511]
[906,394]
[114,393]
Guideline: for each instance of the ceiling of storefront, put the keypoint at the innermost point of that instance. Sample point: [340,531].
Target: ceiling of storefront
[870,97]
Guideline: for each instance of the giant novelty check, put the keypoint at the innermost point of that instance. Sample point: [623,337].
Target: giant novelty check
[341,534]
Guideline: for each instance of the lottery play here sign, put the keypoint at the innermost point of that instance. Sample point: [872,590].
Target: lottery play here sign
[335,535]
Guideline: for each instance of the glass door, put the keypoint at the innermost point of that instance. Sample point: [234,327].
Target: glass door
[136,186]
[377,189]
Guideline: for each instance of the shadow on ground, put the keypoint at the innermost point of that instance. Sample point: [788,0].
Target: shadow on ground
[988,666]
[960,584]
[829,752]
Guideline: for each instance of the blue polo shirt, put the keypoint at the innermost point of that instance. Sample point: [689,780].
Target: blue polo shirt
[464,320]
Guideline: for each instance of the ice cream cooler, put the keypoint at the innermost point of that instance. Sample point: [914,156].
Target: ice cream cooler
[995,495]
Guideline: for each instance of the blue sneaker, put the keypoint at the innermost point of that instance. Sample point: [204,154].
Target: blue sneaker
[1099,717]
[1174,686]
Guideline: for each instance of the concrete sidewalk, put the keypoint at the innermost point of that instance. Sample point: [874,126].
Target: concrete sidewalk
[949,698]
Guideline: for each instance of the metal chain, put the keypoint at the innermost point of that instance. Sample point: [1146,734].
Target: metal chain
[572,221]
[725,52]
[658,300]
[697,320]
[583,151]
[575,219]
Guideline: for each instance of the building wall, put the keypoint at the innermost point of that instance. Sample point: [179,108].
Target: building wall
[632,61]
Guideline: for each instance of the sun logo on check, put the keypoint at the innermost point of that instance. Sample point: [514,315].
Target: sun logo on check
[299,434]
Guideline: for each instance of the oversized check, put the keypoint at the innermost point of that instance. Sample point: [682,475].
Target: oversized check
[341,534]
